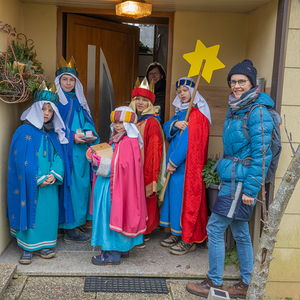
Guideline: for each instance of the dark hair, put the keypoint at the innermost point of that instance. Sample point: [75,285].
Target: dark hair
[160,68]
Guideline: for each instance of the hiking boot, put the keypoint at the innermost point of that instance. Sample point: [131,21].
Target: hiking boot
[202,289]
[172,240]
[239,290]
[107,258]
[26,258]
[182,248]
[146,237]
[45,253]
[76,236]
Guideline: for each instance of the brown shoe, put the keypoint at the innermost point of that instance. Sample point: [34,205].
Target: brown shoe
[239,290]
[202,289]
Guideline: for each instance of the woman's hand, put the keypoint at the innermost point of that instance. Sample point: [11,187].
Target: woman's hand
[170,168]
[247,200]
[77,138]
[181,125]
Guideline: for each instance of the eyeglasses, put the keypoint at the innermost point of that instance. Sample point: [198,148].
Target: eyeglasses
[240,82]
[154,74]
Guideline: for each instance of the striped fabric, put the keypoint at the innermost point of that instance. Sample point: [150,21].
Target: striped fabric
[123,116]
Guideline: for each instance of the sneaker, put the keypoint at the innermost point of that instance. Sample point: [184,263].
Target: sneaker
[140,246]
[172,240]
[76,236]
[107,258]
[202,289]
[239,290]
[125,254]
[182,248]
[26,258]
[45,253]
[146,237]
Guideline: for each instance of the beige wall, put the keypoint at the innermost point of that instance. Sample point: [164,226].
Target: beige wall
[39,23]
[284,270]
[240,36]
[261,40]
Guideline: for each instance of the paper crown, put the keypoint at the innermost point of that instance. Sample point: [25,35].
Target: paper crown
[144,89]
[123,116]
[43,94]
[64,67]
[186,82]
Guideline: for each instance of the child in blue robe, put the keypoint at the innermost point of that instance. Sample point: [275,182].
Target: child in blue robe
[184,208]
[77,117]
[37,161]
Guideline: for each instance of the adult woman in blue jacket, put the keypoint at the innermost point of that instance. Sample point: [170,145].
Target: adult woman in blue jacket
[239,171]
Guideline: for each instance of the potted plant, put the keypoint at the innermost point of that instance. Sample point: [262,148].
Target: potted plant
[211,183]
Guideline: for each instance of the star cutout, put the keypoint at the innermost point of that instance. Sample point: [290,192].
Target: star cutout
[23,203]
[28,137]
[15,152]
[36,153]
[36,177]
[44,153]
[20,177]
[26,163]
[16,192]
[195,60]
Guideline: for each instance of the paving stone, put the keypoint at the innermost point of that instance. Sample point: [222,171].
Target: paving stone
[15,288]
[7,271]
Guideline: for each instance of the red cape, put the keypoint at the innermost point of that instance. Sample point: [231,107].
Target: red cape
[194,207]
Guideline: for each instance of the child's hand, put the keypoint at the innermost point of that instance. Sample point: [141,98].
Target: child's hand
[44,183]
[89,154]
[77,138]
[170,168]
[96,160]
[181,125]
[51,179]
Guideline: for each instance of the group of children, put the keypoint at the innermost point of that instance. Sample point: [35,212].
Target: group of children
[52,166]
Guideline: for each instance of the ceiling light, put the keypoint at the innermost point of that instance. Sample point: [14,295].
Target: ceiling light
[133,9]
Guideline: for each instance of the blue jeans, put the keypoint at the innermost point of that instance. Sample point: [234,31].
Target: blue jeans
[216,227]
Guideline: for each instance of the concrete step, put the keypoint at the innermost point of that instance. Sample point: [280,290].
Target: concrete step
[7,272]
[15,288]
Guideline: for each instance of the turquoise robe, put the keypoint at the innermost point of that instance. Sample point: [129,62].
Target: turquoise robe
[81,171]
[102,235]
[44,233]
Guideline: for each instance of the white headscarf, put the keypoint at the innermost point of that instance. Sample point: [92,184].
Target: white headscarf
[199,100]
[78,91]
[34,114]
[130,128]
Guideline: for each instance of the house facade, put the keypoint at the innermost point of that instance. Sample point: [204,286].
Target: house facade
[274,48]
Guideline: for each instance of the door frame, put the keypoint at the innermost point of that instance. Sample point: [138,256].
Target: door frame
[153,19]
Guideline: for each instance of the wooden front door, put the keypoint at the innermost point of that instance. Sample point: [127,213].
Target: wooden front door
[107,54]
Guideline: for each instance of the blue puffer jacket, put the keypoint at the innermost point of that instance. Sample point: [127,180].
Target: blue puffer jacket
[235,144]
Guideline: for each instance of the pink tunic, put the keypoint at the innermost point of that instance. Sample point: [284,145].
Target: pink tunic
[128,202]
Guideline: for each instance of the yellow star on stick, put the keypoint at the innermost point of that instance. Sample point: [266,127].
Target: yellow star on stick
[195,60]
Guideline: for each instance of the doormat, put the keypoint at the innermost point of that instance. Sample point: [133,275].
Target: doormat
[126,285]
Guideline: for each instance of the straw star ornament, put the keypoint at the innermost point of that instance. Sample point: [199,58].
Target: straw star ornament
[209,54]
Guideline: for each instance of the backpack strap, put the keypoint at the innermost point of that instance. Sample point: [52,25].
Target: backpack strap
[245,125]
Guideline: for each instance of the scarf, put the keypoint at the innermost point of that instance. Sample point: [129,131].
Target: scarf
[245,101]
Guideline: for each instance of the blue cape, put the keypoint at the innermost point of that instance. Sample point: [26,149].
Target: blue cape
[23,174]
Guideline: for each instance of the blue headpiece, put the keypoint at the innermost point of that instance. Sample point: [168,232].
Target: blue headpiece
[186,82]
[46,95]
[65,67]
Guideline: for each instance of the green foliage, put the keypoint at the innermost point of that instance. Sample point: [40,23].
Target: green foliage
[32,85]
[231,257]
[209,177]
[144,48]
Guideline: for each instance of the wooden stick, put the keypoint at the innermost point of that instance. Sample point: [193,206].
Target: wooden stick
[162,195]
